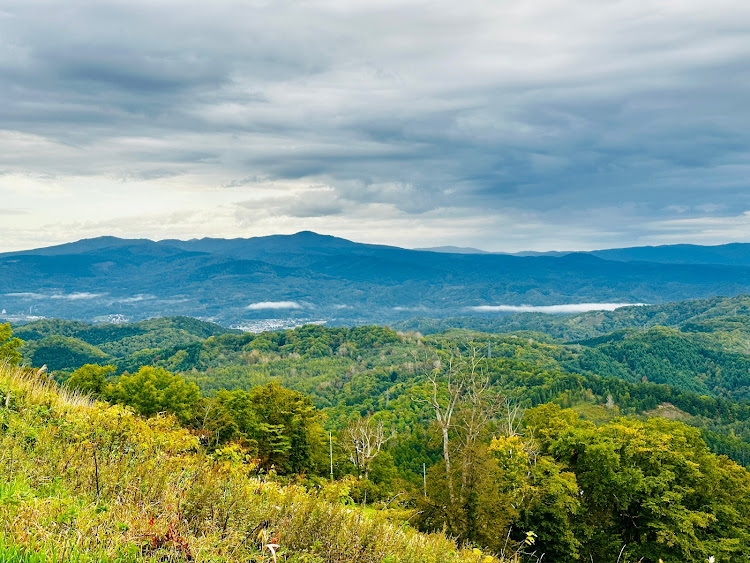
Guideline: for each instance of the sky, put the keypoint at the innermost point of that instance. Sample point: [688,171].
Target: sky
[505,125]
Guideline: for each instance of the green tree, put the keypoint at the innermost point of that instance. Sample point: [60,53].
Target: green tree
[152,390]
[538,496]
[651,489]
[90,379]
[9,346]
[281,425]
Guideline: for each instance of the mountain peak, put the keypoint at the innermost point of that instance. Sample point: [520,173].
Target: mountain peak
[311,234]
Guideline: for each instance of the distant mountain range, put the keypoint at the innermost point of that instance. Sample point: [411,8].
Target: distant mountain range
[733,254]
[456,250]
[307,277]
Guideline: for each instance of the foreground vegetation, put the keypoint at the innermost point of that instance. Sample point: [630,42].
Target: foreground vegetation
[87,481]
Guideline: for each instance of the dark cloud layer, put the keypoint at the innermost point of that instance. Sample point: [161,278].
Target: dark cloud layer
[576,124]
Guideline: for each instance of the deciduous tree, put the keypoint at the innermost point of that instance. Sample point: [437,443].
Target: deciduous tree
[9,346]
[152,390]
[280,425]
[90,379]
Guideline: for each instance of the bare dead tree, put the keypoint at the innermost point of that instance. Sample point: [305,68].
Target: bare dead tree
[445,404]
[479,407]
[460,393]
[512,414]
[206,417]
[363,440]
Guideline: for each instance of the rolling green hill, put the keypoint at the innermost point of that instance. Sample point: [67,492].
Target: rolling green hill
[85,343]
[558,448]
[701,370]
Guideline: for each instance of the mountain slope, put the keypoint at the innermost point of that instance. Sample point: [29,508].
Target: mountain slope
[734,254]
[90,482]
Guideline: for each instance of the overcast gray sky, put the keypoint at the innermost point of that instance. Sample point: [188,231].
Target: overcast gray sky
[501,124]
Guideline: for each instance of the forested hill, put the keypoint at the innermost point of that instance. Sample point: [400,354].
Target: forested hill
[727,313]
[702,368]
[310,277]
[575,450]
[733,254]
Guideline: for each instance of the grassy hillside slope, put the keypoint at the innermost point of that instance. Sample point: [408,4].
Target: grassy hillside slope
[84,481]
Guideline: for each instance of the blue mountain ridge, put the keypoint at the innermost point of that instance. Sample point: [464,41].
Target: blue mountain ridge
[308,276]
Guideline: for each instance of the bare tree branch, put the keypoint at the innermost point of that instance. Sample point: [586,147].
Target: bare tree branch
[363,440]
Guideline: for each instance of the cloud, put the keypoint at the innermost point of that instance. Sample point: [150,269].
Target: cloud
[706,229]
[79,296]
[555,124]
[263,305]
[552,309]
[315,201]
[136,298]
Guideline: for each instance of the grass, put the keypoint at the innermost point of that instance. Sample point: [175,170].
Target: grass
[84,481]
[15,554]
